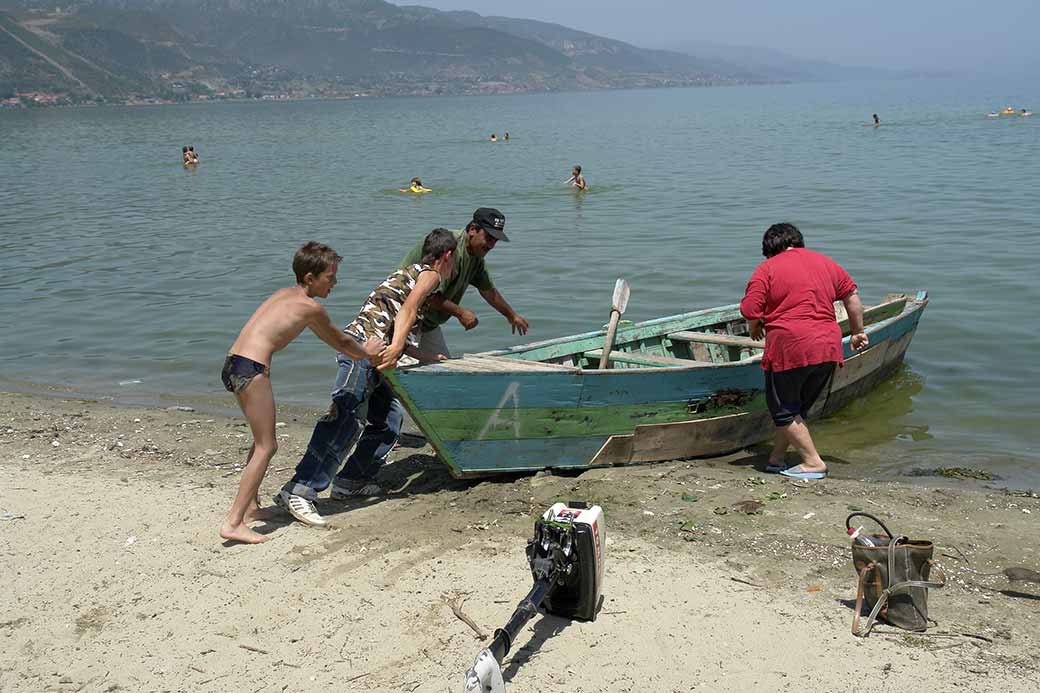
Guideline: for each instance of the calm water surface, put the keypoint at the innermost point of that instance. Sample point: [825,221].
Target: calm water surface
[123,274]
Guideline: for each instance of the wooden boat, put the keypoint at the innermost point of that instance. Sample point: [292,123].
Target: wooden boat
[687,385]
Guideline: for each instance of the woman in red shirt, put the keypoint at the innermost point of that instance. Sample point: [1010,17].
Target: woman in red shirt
[790,299]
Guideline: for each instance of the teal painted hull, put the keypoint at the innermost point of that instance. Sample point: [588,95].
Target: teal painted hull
[548,405]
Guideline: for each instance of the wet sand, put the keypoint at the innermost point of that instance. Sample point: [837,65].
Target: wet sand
[115,578]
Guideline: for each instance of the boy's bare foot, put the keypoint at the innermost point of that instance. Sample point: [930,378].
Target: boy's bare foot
[242,533]
[258,514]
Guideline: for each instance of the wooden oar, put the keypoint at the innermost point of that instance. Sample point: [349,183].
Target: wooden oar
[617,308]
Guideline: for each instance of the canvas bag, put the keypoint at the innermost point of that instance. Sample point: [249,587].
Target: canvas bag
[893,579]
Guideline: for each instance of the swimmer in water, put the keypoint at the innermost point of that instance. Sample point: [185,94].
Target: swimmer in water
[877,121]
[415,186]
[577,180]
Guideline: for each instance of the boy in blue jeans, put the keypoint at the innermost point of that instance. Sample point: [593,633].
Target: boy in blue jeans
[391,313]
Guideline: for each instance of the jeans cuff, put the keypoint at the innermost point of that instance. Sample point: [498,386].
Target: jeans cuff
[301,490]
[342,479]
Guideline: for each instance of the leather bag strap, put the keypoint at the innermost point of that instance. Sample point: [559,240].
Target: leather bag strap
[883,597]
[848,522]
[859,602]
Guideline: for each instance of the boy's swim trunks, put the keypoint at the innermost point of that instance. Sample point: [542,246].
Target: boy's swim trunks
[239,371]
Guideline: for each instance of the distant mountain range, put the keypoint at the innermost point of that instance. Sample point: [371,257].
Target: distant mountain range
[166,50]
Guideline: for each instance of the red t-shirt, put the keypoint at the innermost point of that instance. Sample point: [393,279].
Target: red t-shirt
[794,293]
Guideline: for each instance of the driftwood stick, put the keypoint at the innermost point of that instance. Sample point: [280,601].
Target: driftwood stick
[253,649]
[455,604]
[745,582]
[203,683]
[960,555]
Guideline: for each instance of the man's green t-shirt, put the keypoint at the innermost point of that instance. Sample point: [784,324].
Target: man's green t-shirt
[469,271]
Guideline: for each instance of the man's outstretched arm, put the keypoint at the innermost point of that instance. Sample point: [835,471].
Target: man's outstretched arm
[499,303]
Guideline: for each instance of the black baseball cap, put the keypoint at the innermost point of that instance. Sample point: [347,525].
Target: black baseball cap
[492,221]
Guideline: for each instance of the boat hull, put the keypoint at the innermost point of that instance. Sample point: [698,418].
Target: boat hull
[492,415]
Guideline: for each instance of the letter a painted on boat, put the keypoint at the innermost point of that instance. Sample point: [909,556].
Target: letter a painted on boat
[495,420]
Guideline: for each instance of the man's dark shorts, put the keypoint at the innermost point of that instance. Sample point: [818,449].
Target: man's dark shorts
[792,393]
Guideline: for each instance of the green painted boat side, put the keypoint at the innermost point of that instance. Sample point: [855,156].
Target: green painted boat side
[519,423]
[419,416]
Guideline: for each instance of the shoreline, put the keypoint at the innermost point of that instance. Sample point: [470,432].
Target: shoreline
[120,580]
[360,95]
[221,405]
[216,404]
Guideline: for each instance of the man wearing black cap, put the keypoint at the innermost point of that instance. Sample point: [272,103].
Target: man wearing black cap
[480,236]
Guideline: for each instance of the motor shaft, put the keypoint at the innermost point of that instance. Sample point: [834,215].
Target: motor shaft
[525,611]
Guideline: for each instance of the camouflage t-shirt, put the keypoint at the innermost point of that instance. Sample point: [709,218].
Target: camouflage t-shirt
[377,316]
[469,271]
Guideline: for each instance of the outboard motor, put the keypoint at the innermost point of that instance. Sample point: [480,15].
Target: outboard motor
[566,559]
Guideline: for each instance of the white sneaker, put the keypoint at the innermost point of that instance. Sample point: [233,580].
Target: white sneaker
[356,489]
[300,508]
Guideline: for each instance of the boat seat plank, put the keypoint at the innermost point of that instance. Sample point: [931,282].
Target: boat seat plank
[471,363]
[730,340]
[461,365]
[468,363]
[641,359]
[522,364]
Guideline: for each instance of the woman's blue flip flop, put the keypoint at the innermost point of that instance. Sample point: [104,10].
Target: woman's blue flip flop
[797,473]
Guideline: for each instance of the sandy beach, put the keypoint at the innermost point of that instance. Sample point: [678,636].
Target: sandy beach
[115,578]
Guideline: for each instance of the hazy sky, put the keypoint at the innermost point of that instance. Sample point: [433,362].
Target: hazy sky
[962,34]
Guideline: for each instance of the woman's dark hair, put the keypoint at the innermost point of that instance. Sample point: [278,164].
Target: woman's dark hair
[780,237]
[438,242]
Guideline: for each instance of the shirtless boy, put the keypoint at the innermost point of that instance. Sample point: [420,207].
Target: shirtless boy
[577,180]
[247,369]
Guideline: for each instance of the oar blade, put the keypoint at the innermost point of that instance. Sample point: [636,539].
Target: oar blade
[621,292]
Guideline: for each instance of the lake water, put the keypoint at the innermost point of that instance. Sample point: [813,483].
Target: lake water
[122,274]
